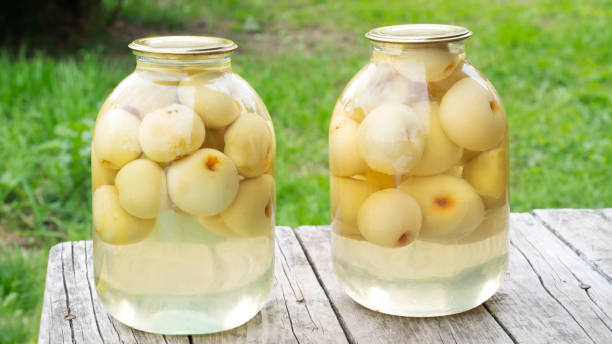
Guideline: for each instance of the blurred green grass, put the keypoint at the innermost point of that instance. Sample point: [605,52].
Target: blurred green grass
[549,60]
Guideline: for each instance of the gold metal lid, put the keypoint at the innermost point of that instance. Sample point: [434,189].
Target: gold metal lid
[418,33]
[183,45]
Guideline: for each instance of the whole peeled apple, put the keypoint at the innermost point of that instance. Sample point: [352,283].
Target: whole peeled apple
[249,143]
[390,218]
[450,205]
[378,84]
[391,139]
[344,159]
[112,223]
[471,116]
[203,183]
[171,132]
[488,173]
[216,107]
[142,189]
[116,138]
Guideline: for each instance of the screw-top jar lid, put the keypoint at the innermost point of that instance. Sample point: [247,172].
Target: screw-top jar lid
[418,33]
[183,45]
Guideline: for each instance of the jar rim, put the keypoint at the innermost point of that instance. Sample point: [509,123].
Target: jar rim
[183,45]
[418,33]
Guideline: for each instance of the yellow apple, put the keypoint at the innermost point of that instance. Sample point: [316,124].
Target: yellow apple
[142,189]
[440,153]
[249,143]
[471,116]
[344,160]
[100,175]
[488,173]
[114,225]
[390,218]
[116,138]
[346,197]
[203,183]
[171,132]
[252,212]
[391,139]
[216,107]
[450,205]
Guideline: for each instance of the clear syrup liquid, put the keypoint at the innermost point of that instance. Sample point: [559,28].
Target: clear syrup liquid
[184,279]
[422,279]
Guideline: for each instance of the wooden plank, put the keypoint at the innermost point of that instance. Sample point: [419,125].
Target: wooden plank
[588,232]
[552,294]
[365,326]
[298,311]
[53,327]
[312,317]
[84,323]
[109,327]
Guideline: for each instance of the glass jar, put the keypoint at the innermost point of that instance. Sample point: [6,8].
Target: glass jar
[418,154]
[183,182]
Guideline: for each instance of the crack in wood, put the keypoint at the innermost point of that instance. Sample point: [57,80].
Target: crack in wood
[549,292]
[66,293]
[91,298]
[601,309]
[283,264]
[588,294]
[133,334]
[75,279]
[299,298]
[578,252]
[115,328]
[341,320]
[500,323]
[288,313]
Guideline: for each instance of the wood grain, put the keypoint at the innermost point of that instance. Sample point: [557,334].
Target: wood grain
[550,295]
[558,290]
[366,326]
[298,311]
[588,232]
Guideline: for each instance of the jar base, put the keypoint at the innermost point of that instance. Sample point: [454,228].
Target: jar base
[189,314]
[423,297]
[365,301]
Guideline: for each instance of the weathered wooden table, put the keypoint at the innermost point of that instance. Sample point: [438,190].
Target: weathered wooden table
[558,290]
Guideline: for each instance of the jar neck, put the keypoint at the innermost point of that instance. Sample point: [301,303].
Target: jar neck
[380,49]
[178,62]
